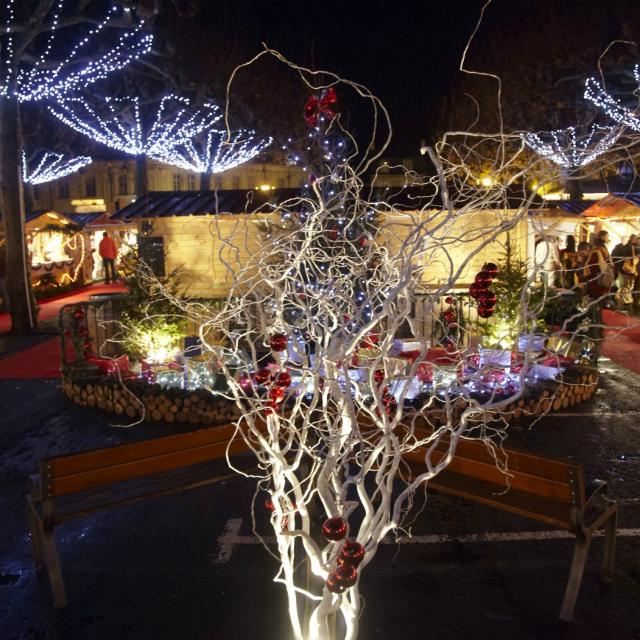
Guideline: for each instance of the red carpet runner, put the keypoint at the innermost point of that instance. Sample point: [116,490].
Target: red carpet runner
[43,360]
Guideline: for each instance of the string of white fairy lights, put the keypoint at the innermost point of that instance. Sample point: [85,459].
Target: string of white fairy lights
[573,147]
[51,166]
[213,152]
[40,81]
[594,92]
[123,125]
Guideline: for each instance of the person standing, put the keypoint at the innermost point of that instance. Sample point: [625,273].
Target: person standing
[599,276]
[108,252]
[628,272]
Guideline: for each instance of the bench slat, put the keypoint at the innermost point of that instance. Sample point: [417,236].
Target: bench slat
[136,468]
[514,501]
[489,472]
[542,467]
[100,458]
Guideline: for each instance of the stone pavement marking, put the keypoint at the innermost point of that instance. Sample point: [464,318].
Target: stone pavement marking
[226,540]
[230,538]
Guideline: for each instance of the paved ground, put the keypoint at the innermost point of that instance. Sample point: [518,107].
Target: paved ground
[166,570]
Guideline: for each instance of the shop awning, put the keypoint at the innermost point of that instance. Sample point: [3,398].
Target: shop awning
[613,206]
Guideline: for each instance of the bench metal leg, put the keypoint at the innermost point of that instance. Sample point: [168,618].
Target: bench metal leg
[35,526]
[583,541]
[609,555]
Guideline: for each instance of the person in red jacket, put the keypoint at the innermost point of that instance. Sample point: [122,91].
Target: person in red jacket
[108,252]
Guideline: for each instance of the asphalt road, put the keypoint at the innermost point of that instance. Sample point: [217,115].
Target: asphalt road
[165,569]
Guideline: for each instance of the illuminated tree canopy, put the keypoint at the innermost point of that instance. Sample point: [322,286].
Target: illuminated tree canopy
[31,71]
[50,166]
[125,125]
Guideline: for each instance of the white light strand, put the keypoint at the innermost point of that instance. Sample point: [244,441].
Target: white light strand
[570,150]
[72,73]
[595,92]
[122,127]
[211,153]
[52,166]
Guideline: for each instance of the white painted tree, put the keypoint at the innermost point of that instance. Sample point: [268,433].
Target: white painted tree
[343,429]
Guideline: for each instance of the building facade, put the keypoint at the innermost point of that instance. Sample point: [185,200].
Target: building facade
[109,185]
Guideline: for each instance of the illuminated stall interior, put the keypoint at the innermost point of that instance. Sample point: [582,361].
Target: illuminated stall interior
[58,250]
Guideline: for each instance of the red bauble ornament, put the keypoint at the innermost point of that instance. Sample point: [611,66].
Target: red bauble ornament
[245,382]
[491,268]
[487,298]
[261,376]
[378,376]
[449,316]
[268,504]
[278,342]
[485,312]
[271,408]
[475,289]
[342,578]
[484,280]
[282,379]
[352,553]
[276,394]
[334,529]
[83,332]
[449,300]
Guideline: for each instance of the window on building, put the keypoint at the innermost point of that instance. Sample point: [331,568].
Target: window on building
[122,184]
[191,181]
[176,181]
[90,190]
[63,190]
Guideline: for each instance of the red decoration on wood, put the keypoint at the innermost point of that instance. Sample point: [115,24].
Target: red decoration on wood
[278,342]
[352,553]
[324,105]
[342,578]
[485,312]
[282,379]
[261,376]
[475,289]
[491,269]
[484,280]
[334,529]
[487,298]
[276,394]
[378,376]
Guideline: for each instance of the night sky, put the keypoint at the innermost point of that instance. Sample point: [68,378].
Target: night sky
[403,51]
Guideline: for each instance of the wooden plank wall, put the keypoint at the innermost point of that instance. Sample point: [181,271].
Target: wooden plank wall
[200,245]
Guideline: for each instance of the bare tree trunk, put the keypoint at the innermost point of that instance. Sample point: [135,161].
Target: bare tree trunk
[142,180]
[23,314]
[205,182]
[27,192]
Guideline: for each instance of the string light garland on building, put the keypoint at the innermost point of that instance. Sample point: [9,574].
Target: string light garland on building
[594,92]
[212,152]
[122,125]
[42,80]
[51,166]
[570,149]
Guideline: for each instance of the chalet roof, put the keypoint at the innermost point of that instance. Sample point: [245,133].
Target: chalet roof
[196,203]
[233,201]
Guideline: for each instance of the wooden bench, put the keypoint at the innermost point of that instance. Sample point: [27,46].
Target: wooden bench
[543,489]
[79,484]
